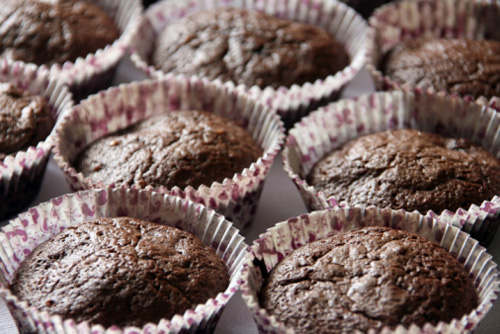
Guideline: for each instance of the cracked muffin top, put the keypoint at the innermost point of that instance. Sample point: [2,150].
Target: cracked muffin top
[25,119]
[408,169]
[248,47]
[466,67]
[53,31]
[367,279]
[180,148]
[120,271]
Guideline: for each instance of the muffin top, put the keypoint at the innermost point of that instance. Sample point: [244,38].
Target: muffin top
[25,119]
[408,169]
[367,279]
[180,148]
[120,271]
[53,31]
[248,47]
[467,67]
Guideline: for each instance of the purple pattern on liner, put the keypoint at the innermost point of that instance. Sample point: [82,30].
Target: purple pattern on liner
[86,210]
[102,198]
[35,215]
[56,201]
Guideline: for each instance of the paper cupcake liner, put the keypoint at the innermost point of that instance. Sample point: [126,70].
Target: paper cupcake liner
[21,173]
[330,127]
[411,19]
[95,71]
[494,102]
[280,240]
[119,107]
[292,103]
[31,228]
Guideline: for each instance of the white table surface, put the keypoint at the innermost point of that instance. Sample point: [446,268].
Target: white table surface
[236,318]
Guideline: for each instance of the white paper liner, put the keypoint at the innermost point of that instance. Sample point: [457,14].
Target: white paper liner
[292,103]
[95,71]
[39,223]
[284,237]
[122,106]
[331,126]
[411,19]
[21,173]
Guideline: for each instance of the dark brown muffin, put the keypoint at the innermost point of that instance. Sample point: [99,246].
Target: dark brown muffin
[248,47]
[53,32]
[181,148]
[408,169]
[467,67]
[367,279]
[120,271]
[25,119]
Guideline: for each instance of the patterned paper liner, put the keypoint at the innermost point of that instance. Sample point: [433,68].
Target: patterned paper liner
[39,223]
[410,19]
[122,106]
[291,103]
[284,237]
[21,173]
[331,126]
[89,74]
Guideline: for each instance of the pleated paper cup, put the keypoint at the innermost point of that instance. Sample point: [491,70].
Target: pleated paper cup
[38,224]
[119,107]
[21,173]
[330,127]
[412,19]
[292,103]
[279,241]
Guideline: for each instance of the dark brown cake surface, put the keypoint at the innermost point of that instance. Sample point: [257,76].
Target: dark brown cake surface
[120,271]
[248,47]
[366,279]
[25,119]
[181,148]
[467,67]
[408,169]
[53,31]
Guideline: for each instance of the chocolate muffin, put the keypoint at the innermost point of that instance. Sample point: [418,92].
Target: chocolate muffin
[25,119]
[367,279]
[53,31]
[120,271]
[466,67]
[248,47]
[181,148]
[408,169]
